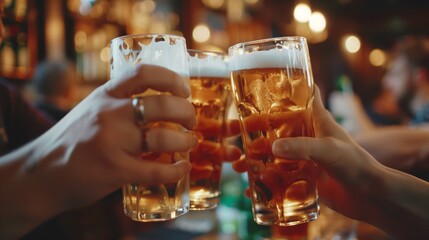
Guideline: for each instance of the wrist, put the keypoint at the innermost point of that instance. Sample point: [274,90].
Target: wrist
[24,202]
[40,183]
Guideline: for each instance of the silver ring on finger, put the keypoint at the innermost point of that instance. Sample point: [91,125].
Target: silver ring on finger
[138,105]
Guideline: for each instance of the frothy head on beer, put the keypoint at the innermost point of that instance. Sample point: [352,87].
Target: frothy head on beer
[167,51]
[271,53]
[208,64]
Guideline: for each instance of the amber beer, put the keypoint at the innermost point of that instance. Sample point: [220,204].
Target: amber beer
[211,91]
[273,90]
[158,202]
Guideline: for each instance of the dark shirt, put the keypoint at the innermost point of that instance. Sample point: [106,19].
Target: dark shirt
[50,110]
[19,121]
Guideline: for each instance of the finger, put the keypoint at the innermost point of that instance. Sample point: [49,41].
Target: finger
[325,124]
[232,128]
[150,173]
[305,148]
[169,140]
[213,128]
[142,77]
[199,172]
[240,165]
[232,153]
[170,109]
[207,153]
[248,193]
[209,147]
[257,122]
[209,127]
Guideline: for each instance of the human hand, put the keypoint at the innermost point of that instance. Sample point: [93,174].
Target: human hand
[98,145]
[346,164]
[210,153]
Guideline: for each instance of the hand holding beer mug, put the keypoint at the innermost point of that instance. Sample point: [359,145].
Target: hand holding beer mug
[273,90]
[163,201]
[211,95]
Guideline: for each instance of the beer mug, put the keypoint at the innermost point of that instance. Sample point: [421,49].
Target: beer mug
[211,96]
[162,201]
[273,90]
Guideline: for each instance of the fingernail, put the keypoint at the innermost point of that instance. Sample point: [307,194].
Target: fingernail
[186,165]
[187,89]
[194,139]
[279,147]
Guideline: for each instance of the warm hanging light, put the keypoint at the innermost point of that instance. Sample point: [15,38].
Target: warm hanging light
[215,4]
[317,22]
[302,12]
[377,57]
[352,43]
[201,33]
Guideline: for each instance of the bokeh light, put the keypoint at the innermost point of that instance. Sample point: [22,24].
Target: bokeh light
[352,43]
[317,22]
[302,12]
[377,57]
[201,33]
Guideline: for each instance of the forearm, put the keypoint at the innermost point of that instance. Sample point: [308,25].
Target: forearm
[402,148]
[398,204]
[26,196]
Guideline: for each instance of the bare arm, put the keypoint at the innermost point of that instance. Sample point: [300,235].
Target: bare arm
[400,147]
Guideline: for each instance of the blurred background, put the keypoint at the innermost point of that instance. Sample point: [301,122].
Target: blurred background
[347,37]
[349,42]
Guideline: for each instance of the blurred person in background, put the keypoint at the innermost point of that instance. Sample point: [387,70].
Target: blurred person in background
[55,86]
[404,147]
[19,121]
[407,78]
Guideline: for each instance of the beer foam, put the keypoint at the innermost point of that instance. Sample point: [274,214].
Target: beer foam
[274,58]
[169,54]
[209,66]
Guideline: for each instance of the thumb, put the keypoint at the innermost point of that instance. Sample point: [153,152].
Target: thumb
[324,123]
[343,161]
[305,148]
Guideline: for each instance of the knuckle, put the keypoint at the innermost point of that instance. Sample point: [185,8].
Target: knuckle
[158,139]
[154,174]
[331,141]
[164,103]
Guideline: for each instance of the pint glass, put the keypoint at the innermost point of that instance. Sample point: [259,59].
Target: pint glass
[162,201]
[273,90]
[211,95]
